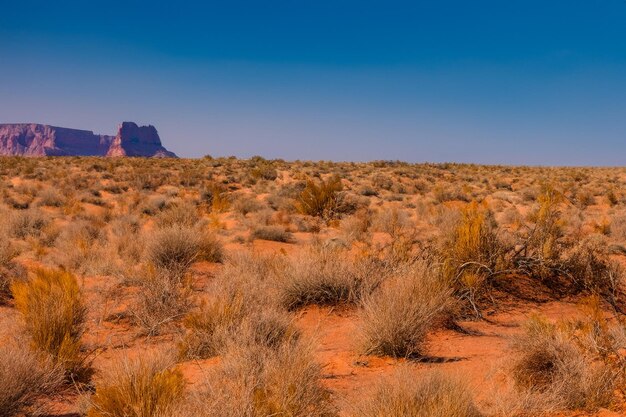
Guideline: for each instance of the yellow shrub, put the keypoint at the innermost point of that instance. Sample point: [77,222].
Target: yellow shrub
[146,387]
[320,200]
[53,310]
[471,252]
[548,228]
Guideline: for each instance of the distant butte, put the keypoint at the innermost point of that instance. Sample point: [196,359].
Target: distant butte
[25,139]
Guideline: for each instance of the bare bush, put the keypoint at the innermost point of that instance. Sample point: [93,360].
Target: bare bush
[240,309]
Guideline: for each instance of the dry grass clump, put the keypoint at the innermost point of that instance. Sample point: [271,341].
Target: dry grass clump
[148,386]
[591,270]
[26,223]
[472,254]
[222,322]
[324,275]
[178,214]
[396,318]
[25,377]
[175,248]
[556,365]
[256,381]
[320,200]
[51,197]
[433,395]
[9,269]
[163,297]
[54,314]
[273,233]
[83,247]
[240,309]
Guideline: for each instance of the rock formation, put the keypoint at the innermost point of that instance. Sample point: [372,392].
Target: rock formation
[132,140]
[43,140]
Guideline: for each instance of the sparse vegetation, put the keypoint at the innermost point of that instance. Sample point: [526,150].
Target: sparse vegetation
[424,269]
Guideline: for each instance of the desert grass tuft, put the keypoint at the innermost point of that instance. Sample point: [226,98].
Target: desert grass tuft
[257,381]
[25,377]
[324,275]
[54,313]
[395,319]
[552,364]
[433,395]
[149,386]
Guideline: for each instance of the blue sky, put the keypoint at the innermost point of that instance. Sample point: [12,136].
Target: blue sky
[519,82]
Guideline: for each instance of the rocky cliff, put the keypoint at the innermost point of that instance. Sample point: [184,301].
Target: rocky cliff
[133,140]
[43,140]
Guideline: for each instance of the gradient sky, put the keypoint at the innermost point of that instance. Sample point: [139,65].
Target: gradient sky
[516,82]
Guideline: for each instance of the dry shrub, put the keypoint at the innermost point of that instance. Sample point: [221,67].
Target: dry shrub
[471,253]
[178,214]
[324,275]
[256,381]
[83,247]
[567,266]
[54,314]
[222,322]
[9,269]
[544,241]
[26,223]
[273,233]
[591,270]
[24,378]
[175,248]
[240,309]
[320,200]
[557,367]
[51,197]
[434,395]
[165,285]
[357,227]
[163,297]
[148,386]
[216,197]
[396,318]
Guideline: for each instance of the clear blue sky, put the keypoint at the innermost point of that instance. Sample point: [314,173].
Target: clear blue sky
[523,82]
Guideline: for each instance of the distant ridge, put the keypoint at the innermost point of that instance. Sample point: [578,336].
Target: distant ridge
[24,139]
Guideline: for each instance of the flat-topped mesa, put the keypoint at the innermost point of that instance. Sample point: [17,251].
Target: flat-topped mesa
[133,140]
[30,139]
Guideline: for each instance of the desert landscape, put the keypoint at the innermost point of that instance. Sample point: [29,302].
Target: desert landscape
[313,208]
[256,287]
